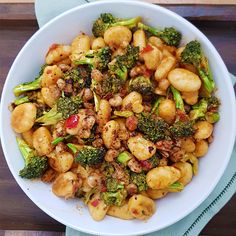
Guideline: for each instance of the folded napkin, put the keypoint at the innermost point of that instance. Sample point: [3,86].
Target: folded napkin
[192,224]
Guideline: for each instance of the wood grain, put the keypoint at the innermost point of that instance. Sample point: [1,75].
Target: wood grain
[16,209]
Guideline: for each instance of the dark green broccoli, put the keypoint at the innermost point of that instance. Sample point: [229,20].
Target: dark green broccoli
[50,118]
[130,58]
[169,35]
[65,107]
[29,86]
[21,100]
[118,70]
[193,55]
[206,109]
[90,156]
[179,103]
[107,20]
[124,157]
[141,84]
[182,129]
[113,185]
[107,169]
[35,165]
[139,179]
[68,106]
[114,198]
[153,129]
[96,59]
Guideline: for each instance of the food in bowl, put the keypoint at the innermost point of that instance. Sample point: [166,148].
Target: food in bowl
[118,119]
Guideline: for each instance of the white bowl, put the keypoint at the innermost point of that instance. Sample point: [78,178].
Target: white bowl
[173,207]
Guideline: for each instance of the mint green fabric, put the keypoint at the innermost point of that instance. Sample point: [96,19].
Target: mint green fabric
[192,224]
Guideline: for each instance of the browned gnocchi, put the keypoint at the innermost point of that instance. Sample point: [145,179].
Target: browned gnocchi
[117,119]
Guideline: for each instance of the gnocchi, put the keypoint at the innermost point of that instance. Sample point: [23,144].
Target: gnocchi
[118,118]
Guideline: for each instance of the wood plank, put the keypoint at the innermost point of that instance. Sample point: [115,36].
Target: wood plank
[19,12]
[215,2]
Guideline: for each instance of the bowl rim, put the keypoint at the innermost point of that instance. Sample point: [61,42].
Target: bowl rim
[168,13]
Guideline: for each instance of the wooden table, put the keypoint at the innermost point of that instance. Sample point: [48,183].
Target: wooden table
[17,24]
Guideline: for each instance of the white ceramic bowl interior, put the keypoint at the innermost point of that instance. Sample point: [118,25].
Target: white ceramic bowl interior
[169,209]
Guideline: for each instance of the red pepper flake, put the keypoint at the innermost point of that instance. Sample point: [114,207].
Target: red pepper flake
[147,73]
[72,121]
[103,189]
[146,164]
[148,48]
[49,71]
[95,203]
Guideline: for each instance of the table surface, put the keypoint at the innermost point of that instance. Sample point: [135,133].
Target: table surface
[18,24]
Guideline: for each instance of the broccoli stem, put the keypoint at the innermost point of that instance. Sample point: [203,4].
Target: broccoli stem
[179,103]
[29,86]
[22,100]
[125,114]
[212,117]
[156,105]
[130,22]
[72,147]
[148,28]
[25,150]
[124,157]
[175,187]
[60,139]
[208,83]
[85,61]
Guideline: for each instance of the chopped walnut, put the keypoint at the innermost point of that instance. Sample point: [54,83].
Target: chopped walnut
[131,189]
[164,145]
[111,155]
[135,166]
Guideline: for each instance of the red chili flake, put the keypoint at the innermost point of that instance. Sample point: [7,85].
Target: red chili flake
[95,203]
[72,121]
[182,115]
[146,164]
[148,48]
[103,189]
[147,73]
[49,71]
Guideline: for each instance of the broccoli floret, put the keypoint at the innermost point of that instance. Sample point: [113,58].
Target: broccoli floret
[21,100]
[113,185]
[107,169]
[199,110]
[179,103]
[114,198]
[90,156]
[120,71]
[124,157]
[35,165]
[141,84]
[68,106]
[64,108]
[169,35]
[193,55]
[154,130]
[107,20]
[139,179]
[96,59]
[130,58]
[206,109]
[51,117]
[29,86]
[182,129]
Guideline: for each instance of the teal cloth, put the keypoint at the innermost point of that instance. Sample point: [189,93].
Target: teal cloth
[192,224]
